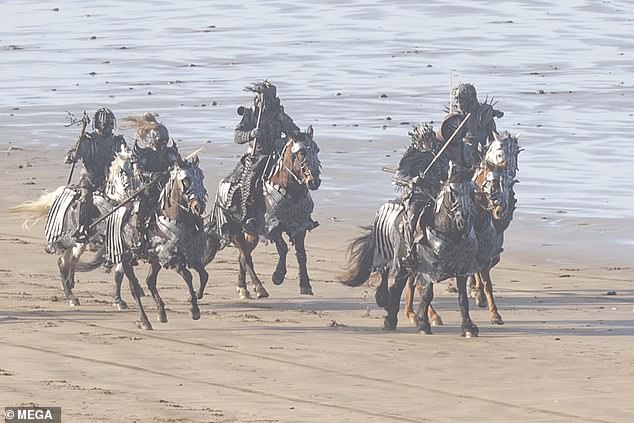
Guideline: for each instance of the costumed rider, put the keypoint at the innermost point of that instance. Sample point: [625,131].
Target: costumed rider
[420,189]
[262,127]
[479,129]
[153,159]
[96,151]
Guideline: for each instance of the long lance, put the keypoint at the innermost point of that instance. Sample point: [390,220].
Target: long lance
[257,126]
[134,195]
[85,120]
[444,147]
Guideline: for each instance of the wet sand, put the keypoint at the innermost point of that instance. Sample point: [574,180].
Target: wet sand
[564,354]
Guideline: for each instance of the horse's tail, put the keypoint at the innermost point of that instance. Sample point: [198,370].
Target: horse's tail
[95,263]
[360,258]
[33,211]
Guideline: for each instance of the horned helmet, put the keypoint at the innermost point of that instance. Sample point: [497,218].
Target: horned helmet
[423,137]
[104,121]
[265,95]
[465,97]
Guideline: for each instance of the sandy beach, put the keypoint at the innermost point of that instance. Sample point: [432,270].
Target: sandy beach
[564,354]
[362,73]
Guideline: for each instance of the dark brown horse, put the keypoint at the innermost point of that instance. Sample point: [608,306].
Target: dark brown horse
[495,204]
[448,250]
[288,208]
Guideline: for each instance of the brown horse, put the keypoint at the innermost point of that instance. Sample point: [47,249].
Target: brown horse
[288,208]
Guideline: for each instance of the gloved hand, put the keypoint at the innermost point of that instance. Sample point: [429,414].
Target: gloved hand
[255,133]
[72,157]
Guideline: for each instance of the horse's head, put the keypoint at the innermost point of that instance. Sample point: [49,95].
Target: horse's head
[301,159]
[122,179]
[185,188]
[454,204]
[496,175]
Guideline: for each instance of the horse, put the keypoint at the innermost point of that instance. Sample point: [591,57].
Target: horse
[61,210]
[288,208]
[176,237]
[495,204]
[495,178]
[448,249]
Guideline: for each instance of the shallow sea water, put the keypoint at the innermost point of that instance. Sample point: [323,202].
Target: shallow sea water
[561,71]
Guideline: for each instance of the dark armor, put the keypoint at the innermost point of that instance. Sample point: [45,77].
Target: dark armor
[479,129]
[265,142]
[420,188]
[153,163]
[96,151]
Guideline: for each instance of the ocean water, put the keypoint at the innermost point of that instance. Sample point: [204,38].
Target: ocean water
[361,72]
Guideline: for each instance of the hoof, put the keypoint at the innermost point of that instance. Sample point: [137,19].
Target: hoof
[74,302]
[162,317]
[244,294]
[481,301]
[389,324]
[121,305]
[277,278]
[144,325]
[412,317]
[436,321]
[200,295]
[195,314]
[306,290]
[470,332]
[141,292]
[497,320]
[426,331]
[261,292]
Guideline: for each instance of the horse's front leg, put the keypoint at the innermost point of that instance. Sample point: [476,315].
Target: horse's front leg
[136,291]
[487,287]
[150,282]
[426,297]
[194,311]
[117,301]
[203,276]
[282,251]
[469,329]
[300,253]
[395,292]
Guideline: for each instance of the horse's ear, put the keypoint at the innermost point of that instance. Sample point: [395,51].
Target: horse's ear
[195,160]
[310,131]
[495,136]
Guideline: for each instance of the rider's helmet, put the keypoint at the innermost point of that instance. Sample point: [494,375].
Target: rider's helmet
[466,97]
[104,121]
[266,95]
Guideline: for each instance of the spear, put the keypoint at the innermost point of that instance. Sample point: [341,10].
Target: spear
[85,120]
[444,147]
[257,125]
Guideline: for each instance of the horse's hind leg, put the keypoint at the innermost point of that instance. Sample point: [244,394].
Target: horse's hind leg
[487,285]
[300,252]
[409,299]
[117,301]
[66,263]
[246,260]
[194,311]
[477,290]
[136,291]
[150,282]
[282,251]
[395,292]
[382,295]
[469,328]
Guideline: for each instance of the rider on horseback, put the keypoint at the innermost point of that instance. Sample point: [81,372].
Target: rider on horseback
[480,127]
[262,126]
[96,151]
[420,188]
[153,159]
